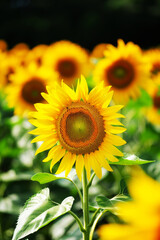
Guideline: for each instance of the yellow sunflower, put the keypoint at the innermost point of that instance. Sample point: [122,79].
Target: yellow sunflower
[125,69]
[36,54]
[3,45]
[68,59]
[153,57]
[26,86]
[141,215]
[77,127]
[153,112]
[98,50]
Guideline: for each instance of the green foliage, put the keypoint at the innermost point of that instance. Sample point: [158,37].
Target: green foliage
[43,178]
[38,211]
[108,204]
[130,159]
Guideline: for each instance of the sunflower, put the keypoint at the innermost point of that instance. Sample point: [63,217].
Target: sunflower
[141,215]
[36,54]
[3,45]
[153,56]
[77,127]
[26,86]
[68,59]
[153,112]
[125,69]
[98,50]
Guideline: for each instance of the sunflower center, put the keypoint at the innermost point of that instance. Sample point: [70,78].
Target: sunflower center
[156,101]
[31,91]
[156,68]
[80,128]
[120,74]
[66,68]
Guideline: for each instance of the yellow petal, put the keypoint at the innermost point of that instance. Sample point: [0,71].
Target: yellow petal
[56,157]
[95,165]
[87,165]
[46,145]
[115,140]
[79,166]
[70,164]
[63,163]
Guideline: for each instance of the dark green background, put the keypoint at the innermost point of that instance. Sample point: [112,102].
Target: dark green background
[84,22]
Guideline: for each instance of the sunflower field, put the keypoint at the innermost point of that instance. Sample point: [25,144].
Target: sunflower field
[79,142]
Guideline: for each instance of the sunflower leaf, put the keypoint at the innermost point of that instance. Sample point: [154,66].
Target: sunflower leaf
[106,203]
[130,159]
[39,211]
[43,178]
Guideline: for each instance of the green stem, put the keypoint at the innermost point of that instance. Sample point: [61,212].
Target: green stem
[91,180]
[95,223]
[79,192]
[93,217]
[85,207]
[78,221]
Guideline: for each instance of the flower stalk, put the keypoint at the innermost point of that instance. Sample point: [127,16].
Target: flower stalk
[85,205]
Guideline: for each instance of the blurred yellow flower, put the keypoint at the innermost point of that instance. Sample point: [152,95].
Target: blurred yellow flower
[125,69]
[26,86]
[153,112]
[68,59]
[98,50]
[3,45]
[77,127]
[36,54]
[153,57]
[141,215]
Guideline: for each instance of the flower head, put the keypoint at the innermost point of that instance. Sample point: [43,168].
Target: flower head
[153,111]
[142,215]
[125,69]
[68,59]
[26,86]
[77,127]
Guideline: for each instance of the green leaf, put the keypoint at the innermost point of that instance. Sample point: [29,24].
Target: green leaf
[106,203]
[130,159]
[43,178]
[38,211]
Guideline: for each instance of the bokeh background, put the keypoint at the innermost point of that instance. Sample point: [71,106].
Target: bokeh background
[87,23]
[84,22]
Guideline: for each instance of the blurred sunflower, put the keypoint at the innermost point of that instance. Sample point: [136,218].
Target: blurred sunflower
[141,216]
[36,54]
[3,45]
[68,59]
[125,69]
[98,50]
[153,56]
[77,127]
[153,112]
[26,86]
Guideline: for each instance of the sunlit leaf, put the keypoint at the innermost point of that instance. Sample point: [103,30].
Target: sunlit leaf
[38,211]
[106,203]
[43,178]
[130,159]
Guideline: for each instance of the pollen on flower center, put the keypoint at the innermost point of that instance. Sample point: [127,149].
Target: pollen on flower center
[120,74]
[80,128]
[31,91]
[66,68]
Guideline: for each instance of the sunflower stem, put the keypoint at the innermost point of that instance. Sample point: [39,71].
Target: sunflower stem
[78,221]
[91,180]
[85,206]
